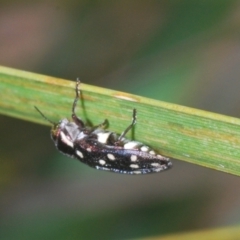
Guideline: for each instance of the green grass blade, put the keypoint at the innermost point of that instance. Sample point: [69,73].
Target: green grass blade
[199,137]
[224,233]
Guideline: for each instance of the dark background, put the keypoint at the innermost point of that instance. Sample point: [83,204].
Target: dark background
[184,52]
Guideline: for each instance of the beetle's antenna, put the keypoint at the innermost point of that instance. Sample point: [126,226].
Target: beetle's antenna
[134,121]
[76,97]
[75,118]
[44,116]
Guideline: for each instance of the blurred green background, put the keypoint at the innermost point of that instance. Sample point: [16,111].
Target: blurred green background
[185,52]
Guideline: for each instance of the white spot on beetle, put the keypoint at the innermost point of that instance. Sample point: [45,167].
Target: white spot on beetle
[158,169]
[133,158]
[110,156]
[134,165]
[102,162]
[131,145]
[144,148]
[89,149]
[79,154]
[103,137]
[152,152]
[162,157]
[66,140]
[155,164]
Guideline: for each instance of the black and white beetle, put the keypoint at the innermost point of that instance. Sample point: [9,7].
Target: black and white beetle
[102,149]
